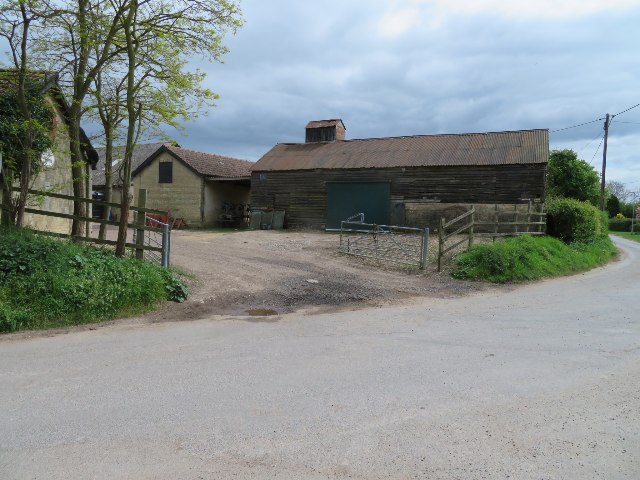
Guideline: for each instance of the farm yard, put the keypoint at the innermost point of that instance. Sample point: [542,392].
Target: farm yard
[244,272]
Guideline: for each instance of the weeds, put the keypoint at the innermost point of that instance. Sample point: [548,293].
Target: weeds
[46,283]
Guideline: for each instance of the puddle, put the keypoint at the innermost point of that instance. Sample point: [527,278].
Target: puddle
[260,312]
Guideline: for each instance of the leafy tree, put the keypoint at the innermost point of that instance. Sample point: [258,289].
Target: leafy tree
[613,206]
[22,140]
[570,177]
[24,116]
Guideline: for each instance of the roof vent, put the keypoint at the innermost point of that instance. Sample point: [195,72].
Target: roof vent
[325,131]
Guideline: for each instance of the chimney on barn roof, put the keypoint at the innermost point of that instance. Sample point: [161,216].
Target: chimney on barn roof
[325,130]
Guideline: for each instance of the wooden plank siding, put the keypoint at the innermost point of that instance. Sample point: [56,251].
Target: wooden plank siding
[303,193]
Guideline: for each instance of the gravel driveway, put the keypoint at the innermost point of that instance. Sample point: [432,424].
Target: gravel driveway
[282,272]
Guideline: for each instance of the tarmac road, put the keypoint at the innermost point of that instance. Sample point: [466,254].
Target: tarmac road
[540,382]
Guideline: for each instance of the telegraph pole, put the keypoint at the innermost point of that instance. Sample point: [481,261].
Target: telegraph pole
[604,161]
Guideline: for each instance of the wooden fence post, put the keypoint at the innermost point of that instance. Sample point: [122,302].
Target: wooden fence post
[495,222]
[140,220]
[440,243]
[473,214]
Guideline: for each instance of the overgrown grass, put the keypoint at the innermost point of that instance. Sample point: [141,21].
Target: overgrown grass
[47,283]
[530,257]
[635,236]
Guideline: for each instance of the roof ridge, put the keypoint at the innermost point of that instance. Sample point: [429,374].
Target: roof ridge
[171,147]
[421,136]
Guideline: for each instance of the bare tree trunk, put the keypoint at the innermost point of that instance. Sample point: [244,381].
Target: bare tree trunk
[77,162]
[132,113]
[25,174]
[108,179]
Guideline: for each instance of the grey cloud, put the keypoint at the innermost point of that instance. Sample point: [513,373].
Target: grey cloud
[297,61]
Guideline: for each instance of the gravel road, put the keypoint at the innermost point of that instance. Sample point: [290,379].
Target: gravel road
[539,382]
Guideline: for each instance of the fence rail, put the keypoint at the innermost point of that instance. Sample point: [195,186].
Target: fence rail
[495,228]
[142,228]
[390,243]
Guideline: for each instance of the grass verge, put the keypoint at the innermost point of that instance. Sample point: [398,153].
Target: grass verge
[635,236]
[48,283]
[529,258]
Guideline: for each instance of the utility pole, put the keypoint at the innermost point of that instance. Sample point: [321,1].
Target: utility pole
[604,161]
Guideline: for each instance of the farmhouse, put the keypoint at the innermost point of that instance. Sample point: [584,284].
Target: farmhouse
[398,180]
[55,175]
[195,186]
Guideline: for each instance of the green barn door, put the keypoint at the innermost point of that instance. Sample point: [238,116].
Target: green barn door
[347,199]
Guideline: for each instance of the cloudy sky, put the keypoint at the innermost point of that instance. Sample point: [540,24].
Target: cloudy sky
[411,67]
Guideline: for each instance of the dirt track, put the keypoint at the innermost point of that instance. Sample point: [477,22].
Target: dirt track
[287,271]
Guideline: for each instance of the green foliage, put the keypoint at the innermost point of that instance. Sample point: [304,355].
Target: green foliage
[575,221]
[13,126]
[530,257]
[176,289]
[47,283]
[571,177]
[623,225]
[612,206]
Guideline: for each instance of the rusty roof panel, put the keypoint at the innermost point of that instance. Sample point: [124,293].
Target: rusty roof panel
[325,123]
[493,148]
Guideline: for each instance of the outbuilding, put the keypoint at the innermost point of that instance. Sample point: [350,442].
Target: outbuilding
[198,187]
[408,180]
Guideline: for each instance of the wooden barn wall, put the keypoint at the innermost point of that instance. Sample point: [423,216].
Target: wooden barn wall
[303,194]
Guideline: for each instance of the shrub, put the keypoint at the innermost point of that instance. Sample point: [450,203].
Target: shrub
[530,257]
[575,221]
[623,225]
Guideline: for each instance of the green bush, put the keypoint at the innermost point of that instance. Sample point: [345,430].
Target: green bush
[623,225]
[530,257]
[575,221]
[47,283]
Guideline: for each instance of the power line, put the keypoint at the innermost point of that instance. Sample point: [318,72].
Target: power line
[579,125]
[624,111]
[588,144]
[597,149]
[631,123]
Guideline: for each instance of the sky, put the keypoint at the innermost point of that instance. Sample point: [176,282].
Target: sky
[416,67]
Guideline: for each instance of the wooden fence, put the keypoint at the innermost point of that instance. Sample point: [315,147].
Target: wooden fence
[139,223]
[467,224]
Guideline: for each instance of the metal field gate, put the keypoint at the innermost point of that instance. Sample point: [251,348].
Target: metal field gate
[156,242]
[403,245]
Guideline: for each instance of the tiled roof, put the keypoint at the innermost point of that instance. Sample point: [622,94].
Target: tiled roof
[492,148]
[140,153]
[211,165]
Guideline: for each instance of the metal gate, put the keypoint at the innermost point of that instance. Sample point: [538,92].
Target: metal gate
[157,243]
[404,245]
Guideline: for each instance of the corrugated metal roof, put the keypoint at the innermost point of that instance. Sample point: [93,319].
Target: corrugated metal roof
[491,148]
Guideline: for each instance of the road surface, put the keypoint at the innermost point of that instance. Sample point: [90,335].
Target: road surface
[540,382]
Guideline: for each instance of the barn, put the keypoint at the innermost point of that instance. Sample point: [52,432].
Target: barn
[397,180]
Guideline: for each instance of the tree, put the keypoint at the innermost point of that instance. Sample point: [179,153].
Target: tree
[619,190]
[22,140]
[570,177]
[613,206]
[26,119]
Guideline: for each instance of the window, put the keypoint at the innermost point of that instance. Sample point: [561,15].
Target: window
[165,172]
